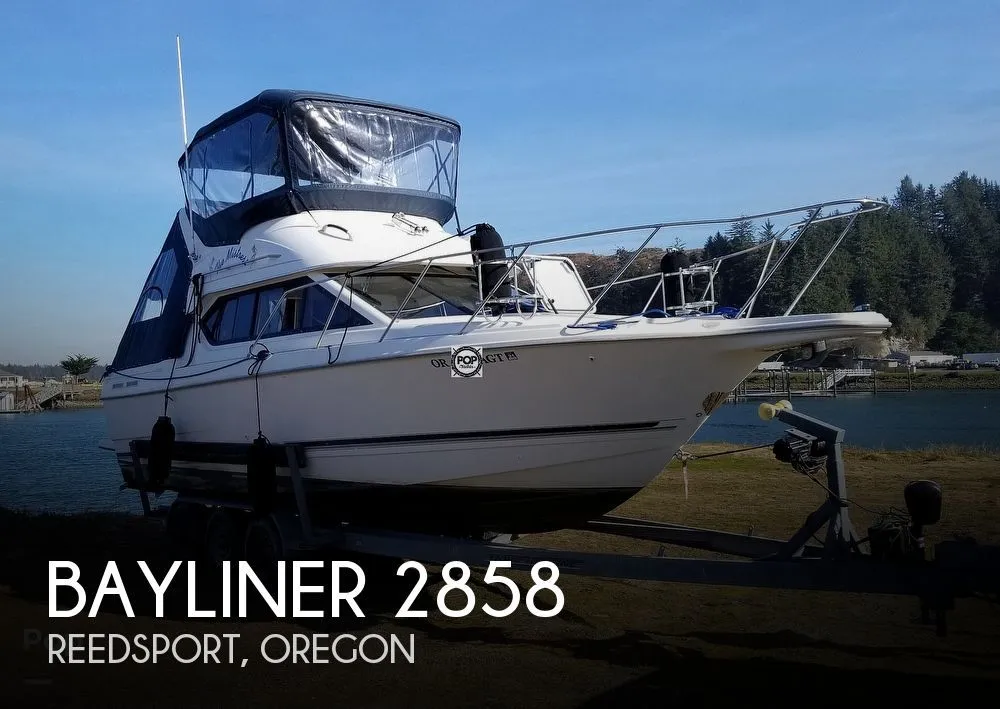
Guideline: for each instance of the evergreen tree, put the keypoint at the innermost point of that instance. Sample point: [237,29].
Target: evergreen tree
[775,291]
[971,235]
[963,332]
[78,365]
[930,263]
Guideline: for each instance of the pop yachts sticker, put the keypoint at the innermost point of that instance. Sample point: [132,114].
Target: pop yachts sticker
[468,361]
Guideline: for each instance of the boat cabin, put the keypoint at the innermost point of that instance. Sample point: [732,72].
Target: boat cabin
[284,152]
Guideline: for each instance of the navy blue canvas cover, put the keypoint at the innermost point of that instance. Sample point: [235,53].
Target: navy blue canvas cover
[159,323]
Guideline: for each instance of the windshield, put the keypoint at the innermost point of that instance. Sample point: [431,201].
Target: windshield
[440,293]
[355,145]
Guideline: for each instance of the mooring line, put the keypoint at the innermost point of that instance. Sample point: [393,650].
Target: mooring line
[684,455]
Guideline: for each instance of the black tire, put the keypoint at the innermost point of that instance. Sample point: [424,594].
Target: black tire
[185,526]
[224,532]
[263,547]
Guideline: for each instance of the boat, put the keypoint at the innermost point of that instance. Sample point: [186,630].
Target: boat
[310,308]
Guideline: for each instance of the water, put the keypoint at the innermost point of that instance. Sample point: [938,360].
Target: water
[894,421]
[50,461]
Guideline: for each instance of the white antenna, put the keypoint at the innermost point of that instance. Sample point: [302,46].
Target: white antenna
[187,168]
[180,78]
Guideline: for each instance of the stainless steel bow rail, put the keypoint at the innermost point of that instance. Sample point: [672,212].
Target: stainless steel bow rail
[792,233]
[890,560]
[520,264]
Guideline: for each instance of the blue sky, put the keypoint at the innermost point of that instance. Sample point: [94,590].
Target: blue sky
[576,115]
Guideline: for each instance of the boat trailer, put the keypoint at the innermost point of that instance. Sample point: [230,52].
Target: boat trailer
[894,563]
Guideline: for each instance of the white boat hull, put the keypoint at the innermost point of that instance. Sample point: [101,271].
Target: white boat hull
[593,417]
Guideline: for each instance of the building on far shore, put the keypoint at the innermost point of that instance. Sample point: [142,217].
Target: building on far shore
[982,357]
[9,380]
[880,363]
[928,358]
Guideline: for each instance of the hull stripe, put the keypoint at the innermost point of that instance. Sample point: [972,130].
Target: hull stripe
[235,453]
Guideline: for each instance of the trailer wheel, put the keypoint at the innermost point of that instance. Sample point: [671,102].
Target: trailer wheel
[224,536]
[262,546]
[185,525]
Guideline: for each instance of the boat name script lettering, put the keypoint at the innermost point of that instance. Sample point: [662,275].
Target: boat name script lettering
[493,358]
[234,253]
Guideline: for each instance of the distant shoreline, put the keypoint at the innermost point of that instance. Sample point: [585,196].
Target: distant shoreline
[921,380]
[79,405]
[886,382]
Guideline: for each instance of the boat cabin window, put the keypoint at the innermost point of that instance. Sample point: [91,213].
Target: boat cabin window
[159,327]
[440,292]
[353,145]
[235,319]
[234,164]
[157,288]
[243,317]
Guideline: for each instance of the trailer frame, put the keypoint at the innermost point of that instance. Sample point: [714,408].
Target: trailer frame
[959,569]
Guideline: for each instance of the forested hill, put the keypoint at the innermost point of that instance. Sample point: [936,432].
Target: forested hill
[930,263]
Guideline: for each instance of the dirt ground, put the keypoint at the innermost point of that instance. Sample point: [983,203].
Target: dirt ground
[616,643]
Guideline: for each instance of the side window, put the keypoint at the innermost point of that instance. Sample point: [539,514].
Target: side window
[318,303]
[292,315]
[267,302]
[154,294]
[249,315]
[243,324]
[345,316]
[226,319]
[307,310]
[237,318]
[212,324]
[235,164]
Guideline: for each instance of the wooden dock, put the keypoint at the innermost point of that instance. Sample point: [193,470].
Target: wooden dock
[48,397]
[822,382]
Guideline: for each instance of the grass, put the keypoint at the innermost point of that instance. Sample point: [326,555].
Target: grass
[752,490]
[940,379]
[616,643]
